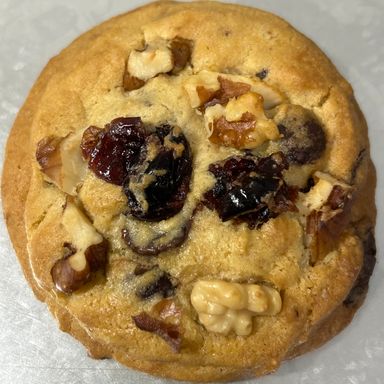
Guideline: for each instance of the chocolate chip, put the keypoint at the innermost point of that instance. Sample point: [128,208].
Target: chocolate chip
[303,140]
[262,74]
[161,284]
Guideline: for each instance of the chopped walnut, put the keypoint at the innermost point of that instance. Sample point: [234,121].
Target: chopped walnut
[324,208]
[326,188]
[232,133]
[85,253]
[210,88]
[61,161]
[170,333]
[158,57]
[228,90]
[241,124]
[155,59]
[167,309]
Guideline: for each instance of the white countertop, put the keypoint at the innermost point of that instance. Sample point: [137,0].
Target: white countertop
[32,349]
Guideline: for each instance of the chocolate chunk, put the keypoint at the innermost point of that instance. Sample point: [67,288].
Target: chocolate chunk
[159,284]
[181,51]
[303,138]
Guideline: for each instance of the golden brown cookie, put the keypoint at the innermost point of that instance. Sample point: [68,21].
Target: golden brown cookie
[196,199]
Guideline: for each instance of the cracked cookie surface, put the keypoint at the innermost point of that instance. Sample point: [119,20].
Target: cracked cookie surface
[139,311]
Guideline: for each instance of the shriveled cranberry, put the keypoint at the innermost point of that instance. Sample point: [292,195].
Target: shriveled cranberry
[284,199]
[90,139]
[256,219]
[272,165]
[117,149]
[250,189]
[159,186]
[245,198]
[181,52]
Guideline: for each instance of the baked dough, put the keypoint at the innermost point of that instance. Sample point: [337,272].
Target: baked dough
[86,86]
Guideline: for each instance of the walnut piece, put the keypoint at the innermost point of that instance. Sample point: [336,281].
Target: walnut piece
[211,88]
[61,161]
[170,333]
[159,56]
[319,194]
[223,306]
[155,59]
[87,251]
[325,209]
[241,123]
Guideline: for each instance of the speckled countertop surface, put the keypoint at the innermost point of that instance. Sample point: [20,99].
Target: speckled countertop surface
[32,349]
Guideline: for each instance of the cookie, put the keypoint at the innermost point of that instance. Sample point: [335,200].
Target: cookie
[196,198]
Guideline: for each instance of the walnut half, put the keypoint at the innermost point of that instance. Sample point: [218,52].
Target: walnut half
[85,253]
[223,306]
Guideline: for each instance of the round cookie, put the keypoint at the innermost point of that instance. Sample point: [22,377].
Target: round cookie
[195,80]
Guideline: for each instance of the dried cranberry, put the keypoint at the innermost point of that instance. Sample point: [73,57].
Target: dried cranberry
[245,198]
[272,165]
[159,186]
[250,189]
[256,219]
[90,139]
[117,149]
